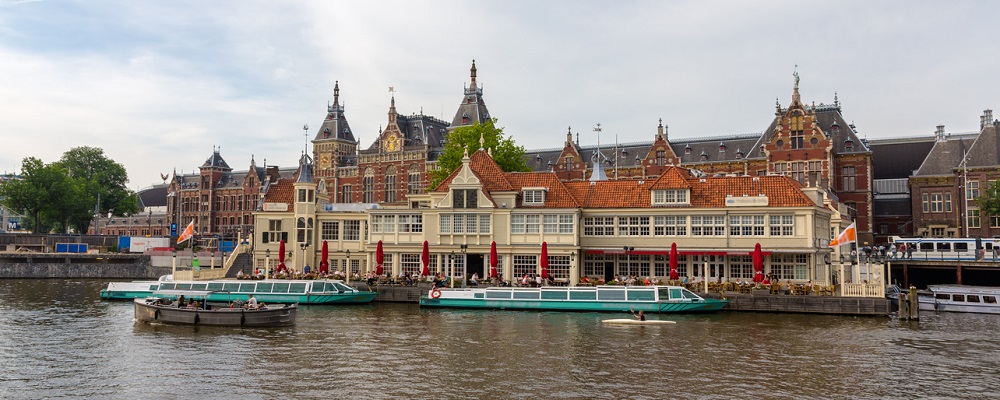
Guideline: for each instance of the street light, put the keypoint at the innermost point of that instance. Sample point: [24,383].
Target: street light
[347,268]
[267,263]
[465,264]
[173,264]
[451,269]
[628,258]
[304,264]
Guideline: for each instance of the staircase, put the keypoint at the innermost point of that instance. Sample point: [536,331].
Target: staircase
[243,262]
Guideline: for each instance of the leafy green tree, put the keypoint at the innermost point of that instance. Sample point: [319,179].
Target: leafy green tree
[41,189]
[989,201]
[507,154]
[98,177]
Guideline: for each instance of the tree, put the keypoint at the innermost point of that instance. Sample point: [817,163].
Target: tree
[38,193]
[989,201]
[101,178]
[507,154]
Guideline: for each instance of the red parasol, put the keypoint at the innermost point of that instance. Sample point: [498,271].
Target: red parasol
[758,264]
[493,260]
[379,258]
[425,257]
[281,257]
[545,260]
[324,266]
[674,275]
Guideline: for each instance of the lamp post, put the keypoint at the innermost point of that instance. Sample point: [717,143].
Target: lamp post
[451,269]
[704,258]
[303,246]
[829,272]
[250,254]
[628,258]
[267,263]
[173,264]
[289,257]
[465,264]
[347,268]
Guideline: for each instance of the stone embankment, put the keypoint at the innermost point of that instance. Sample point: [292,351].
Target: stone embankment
[30,265]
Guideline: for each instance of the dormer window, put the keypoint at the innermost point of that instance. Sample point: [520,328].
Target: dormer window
[704,155]
[722,147]
[533,196]
[670,197]
[739,153]
[687,149]
[849,144]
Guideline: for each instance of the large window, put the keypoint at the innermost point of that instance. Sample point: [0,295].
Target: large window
[330,230]
[524,264]
[383,223]
[937,202]
[670,225]
[593,264]
[670,197]
[972,190]
[305,230]
[790,266]
[411,223]
[849,179]
[521,223]
[708,225]
[599,226]
[465,223]
[346,194]
[413,185]
[390,185]
[352,230]
[973,216]
[534,197]
[274,233]
[633,226]
[368,186]
[464,198]
[746,225]
[410,264]
[782,225]
[741,267]
[559,267]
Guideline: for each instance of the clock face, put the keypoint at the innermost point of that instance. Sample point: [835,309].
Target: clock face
[324,160]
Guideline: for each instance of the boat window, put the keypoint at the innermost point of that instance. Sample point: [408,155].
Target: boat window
[341,286]
[280,288]
[198,286]
[264,287]
[942,296]
[247,287]
[641,295]
[183,286]
[297,288]
[989,299]
[689,295]
[478,295]
[530,295]
[152,287]
[167,286]
[553,295]
[610,294]
[675,293]
[958,297]
[317,287]
[215,286]
[232,287]
[972,298]
[583,295]
[497,294]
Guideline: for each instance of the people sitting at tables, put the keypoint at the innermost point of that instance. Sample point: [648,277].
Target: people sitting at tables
[538,281]
[584,281]
[474,280]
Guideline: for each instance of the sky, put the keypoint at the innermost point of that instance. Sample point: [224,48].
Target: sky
[159,85]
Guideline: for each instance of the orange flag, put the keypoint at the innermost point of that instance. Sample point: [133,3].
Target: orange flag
[188,232]
[847,236]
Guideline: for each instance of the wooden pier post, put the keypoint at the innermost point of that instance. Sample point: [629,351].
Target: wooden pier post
[913,304]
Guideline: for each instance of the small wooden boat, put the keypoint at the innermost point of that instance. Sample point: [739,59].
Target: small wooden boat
[632,321]
[154,310]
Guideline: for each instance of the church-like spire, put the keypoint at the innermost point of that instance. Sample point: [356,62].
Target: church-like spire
[472,74]
[336,93]
[569,136]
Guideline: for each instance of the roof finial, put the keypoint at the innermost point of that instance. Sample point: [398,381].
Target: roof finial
[482,141]
[795,73]
[473,74]
[336,92]
[836,101]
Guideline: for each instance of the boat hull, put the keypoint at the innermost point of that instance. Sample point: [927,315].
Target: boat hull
[147,312]
[345,298]
[637,322]
[706,305]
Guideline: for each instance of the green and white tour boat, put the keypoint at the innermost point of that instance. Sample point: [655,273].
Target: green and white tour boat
[651,299]
[269,291]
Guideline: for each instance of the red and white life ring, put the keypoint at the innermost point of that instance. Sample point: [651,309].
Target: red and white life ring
[435,293]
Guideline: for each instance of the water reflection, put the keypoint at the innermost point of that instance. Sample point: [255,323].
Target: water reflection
[57,339]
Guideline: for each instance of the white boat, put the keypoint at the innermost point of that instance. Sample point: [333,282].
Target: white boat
[633,321]
[960,298]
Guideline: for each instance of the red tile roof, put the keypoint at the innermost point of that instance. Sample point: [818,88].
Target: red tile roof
[282,191]
[556,197]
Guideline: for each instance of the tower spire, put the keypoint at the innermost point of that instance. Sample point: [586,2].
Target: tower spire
[473,75]
[336,93]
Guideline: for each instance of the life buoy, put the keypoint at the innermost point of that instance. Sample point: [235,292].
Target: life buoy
[435,293]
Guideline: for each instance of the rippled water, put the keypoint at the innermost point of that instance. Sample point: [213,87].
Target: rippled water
[58,339]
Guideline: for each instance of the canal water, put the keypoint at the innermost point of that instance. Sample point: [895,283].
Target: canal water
[59,340]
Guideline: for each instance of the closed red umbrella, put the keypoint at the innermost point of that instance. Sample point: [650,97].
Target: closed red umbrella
[545,261]
[379,258]
[324,266]
[758,264]
[425,257]
[493,260]
[281,256]
[674,274]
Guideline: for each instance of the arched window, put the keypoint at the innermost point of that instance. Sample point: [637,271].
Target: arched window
[390,185]
[413,185]
[368,186]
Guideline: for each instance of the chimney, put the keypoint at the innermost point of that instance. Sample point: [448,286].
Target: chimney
[986,118]
[939,133]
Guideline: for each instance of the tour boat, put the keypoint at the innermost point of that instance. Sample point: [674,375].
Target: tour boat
[960,298]
[154,310]
[271,291]
[651,299]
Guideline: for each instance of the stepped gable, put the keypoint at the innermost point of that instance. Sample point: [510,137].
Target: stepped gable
[557,195]
[780,191]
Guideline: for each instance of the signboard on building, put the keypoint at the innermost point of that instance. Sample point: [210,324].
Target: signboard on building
[746,201]
[275,207]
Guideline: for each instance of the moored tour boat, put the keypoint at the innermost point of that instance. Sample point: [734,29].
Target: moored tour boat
[961,298]
[651,299]
[270,291]
[152,310]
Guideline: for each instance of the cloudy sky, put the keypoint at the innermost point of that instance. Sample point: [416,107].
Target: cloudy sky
[158,84]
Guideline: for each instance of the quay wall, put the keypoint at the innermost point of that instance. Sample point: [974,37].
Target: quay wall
[85,266]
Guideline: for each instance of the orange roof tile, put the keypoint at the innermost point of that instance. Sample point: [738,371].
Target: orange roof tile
[672,178]
[282,191]
[489,173]
[556,197]
[705,192]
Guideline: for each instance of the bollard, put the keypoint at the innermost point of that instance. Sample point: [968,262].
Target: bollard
[914,304]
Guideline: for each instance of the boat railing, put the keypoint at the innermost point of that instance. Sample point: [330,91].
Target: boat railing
[862,290]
